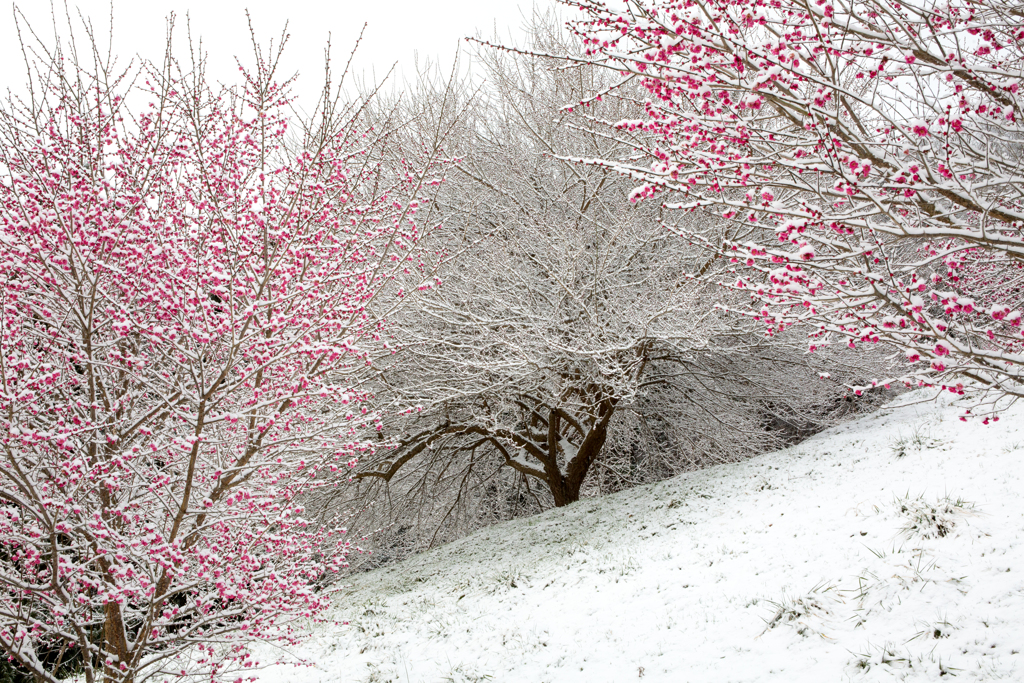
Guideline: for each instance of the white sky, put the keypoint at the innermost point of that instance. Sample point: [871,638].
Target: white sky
[398,30]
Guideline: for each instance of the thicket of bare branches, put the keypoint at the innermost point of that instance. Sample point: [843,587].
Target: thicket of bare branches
[565,353]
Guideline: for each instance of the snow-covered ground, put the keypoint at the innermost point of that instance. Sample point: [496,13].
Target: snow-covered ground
[889,548]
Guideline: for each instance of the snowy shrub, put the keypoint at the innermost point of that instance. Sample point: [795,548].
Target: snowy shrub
[804,613]
[887,654]
[940,628]
[510,577]
[924,519]
[918,439]
[464,673]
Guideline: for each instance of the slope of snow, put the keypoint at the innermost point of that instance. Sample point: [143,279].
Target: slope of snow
[887,549]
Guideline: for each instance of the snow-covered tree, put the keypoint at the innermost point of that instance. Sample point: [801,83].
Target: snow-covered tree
[565,352]
[863,158]
[183,324]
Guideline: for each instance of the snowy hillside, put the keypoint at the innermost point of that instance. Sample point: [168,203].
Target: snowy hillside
[890,548]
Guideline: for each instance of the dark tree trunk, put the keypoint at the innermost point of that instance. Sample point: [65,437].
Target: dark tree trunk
[116,645]
[565,489]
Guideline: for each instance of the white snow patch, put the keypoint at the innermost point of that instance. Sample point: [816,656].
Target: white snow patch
[888,549]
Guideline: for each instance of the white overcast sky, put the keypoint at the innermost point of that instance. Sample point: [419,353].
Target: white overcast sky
[397,30]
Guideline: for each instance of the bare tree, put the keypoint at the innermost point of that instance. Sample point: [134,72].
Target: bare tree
[566,352]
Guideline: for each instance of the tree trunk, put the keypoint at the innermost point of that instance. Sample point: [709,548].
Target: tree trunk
[562,492]
[115,645]
[565,489]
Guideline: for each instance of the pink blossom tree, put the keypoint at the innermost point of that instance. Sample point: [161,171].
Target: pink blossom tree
[191,285]
[862,158]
